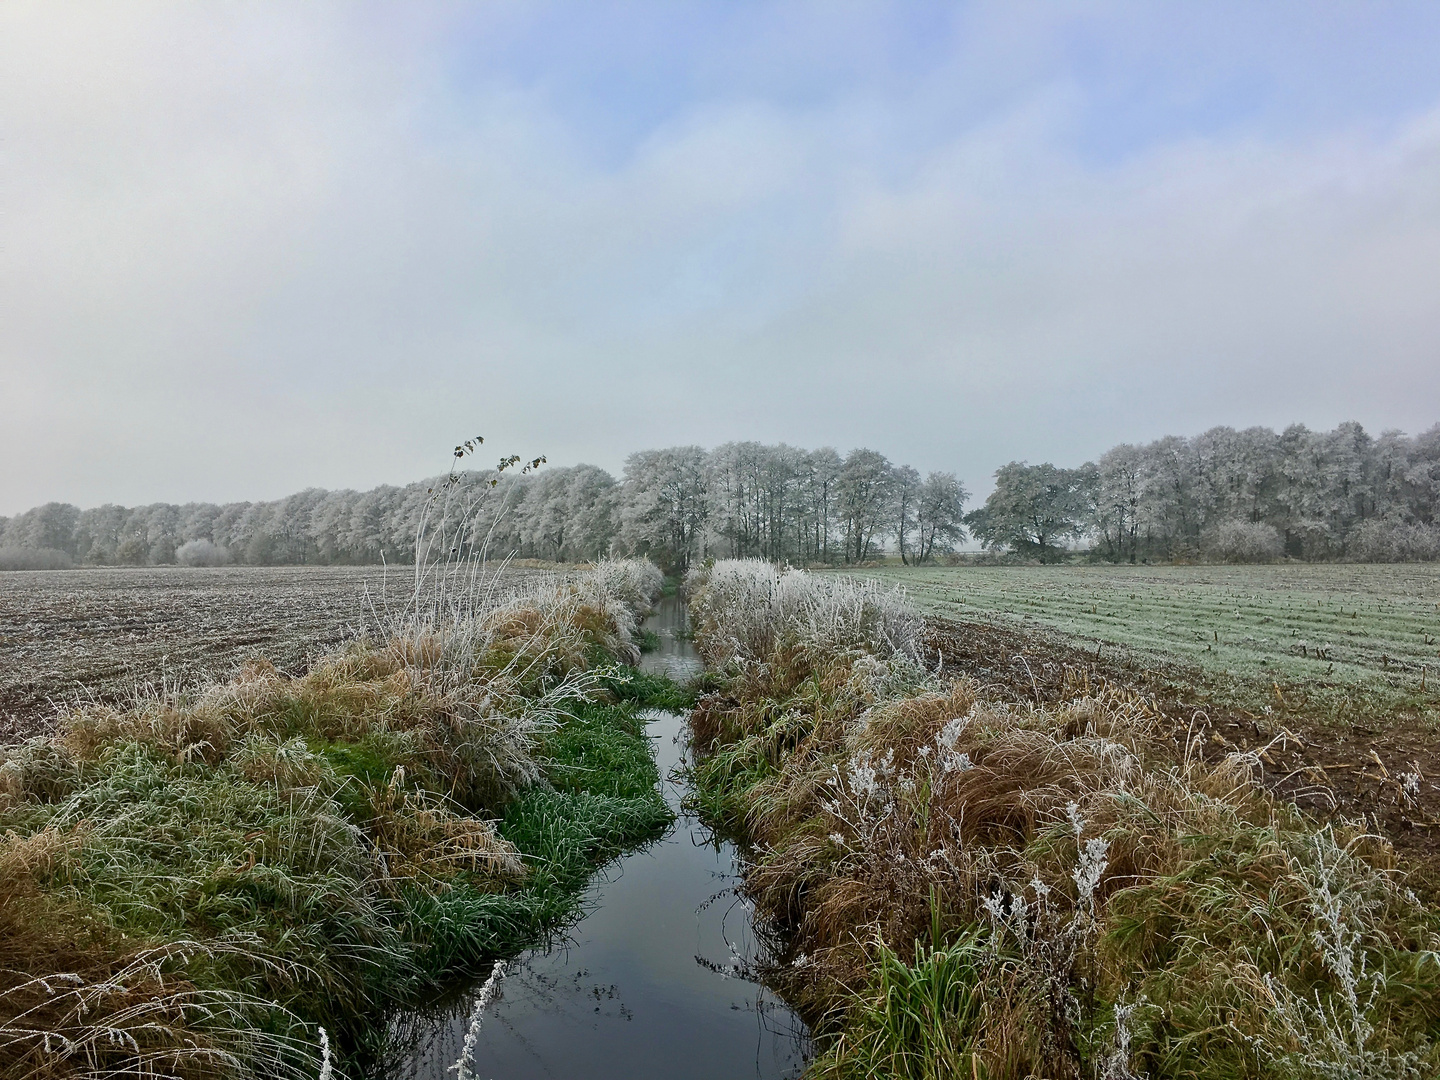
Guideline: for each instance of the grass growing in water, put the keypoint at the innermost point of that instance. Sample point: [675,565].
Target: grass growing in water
[193,886]
[916,1020]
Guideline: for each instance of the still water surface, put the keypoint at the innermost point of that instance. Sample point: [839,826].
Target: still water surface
[646,985]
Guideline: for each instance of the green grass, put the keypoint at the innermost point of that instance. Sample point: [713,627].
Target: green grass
[341,891]
[913,1021]
[1365,630]
[649,690]
[604,799]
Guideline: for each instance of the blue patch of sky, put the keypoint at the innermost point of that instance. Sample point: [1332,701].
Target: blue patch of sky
[1144,74]
[616,74]
[1269,71]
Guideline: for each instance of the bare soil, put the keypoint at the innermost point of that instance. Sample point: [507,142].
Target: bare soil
[1326,768]
[99,634]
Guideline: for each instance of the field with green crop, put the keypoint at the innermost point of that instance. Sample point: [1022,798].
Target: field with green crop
[1367,629]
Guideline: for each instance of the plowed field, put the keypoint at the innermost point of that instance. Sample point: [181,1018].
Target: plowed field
[72,634]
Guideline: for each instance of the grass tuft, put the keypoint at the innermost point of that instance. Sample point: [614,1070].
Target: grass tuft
[1079,898]
[197,884]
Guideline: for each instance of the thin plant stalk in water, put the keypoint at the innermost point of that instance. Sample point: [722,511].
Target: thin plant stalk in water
[462,1067]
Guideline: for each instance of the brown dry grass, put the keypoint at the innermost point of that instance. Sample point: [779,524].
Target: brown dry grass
[874,813]
[172,868]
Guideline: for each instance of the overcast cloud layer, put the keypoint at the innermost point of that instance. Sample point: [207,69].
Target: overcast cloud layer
[249,249]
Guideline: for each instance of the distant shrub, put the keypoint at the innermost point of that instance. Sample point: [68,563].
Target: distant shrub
[133,551]
[202,553]
[1417,543]
[1393,541]
[17,558]
[1244,542]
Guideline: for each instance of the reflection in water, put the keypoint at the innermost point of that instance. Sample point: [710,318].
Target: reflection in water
[675,656]
[648,984]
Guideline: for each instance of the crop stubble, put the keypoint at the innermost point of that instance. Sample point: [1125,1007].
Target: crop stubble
[99,634]
[1355,624]
[1339,731]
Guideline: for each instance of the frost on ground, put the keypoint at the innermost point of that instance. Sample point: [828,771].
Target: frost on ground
[1015,888]
[98,634]
[197,882]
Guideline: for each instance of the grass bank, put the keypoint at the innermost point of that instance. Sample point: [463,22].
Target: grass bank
[198,884]
[974,887]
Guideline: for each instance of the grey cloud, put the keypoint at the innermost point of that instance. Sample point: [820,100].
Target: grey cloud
[258,250]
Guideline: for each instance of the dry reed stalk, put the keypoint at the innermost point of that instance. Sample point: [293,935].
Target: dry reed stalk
[1103,868]
[195,796]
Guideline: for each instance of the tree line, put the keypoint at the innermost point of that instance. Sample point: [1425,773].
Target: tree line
[1246,495]
[676,505]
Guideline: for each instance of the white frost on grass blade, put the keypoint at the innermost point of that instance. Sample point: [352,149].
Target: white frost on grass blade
[746,609]
[466,1061]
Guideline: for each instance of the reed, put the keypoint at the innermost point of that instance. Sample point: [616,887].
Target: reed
[1079,898]
[198,883]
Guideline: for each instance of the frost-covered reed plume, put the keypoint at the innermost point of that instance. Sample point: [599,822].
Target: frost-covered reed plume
[505,648]
[746,610]
[519,646]
[633,582]
[453,533]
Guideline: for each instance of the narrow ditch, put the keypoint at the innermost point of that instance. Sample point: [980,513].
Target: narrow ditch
[650,983]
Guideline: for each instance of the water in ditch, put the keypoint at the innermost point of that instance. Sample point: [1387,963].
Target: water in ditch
[648,984]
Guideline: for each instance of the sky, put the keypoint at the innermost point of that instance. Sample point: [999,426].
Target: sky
[250,248]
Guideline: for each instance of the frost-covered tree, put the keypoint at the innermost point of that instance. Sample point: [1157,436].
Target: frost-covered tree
[663,507]
[592,504]
[939,515]
[228,526]
[865,491]
[1336,494]
[567,515]
[197,521]
[1121,472]
[759,501]
[97,533]
[819,479]
[543,516]
[50,527]
[1235,475]
[328,521]
[1035,509]
[905,496]
[162,532]
[365,536]
[1421,488]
